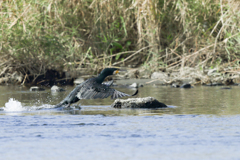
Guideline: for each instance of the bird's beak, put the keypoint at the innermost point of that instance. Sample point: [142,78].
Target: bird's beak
[116,72]
[119,70]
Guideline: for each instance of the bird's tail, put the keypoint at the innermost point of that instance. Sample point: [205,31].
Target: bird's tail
[135,93]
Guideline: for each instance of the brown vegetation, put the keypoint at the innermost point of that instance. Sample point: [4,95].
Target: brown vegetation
[71,36]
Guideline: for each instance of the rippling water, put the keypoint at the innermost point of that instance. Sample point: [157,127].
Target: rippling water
[200,123]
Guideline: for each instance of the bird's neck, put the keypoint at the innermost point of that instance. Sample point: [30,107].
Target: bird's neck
[100,78]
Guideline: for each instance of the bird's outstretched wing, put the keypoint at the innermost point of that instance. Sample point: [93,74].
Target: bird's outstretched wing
[99,91]
[108,83]
[118,94]
[93,93]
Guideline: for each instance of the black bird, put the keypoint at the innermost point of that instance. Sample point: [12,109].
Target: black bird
[94,88]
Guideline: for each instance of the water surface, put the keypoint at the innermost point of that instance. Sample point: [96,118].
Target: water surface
[200,123]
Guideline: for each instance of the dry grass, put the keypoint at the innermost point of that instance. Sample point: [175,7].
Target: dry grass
[41,35]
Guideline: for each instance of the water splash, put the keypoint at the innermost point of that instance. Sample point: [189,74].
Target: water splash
[13,105]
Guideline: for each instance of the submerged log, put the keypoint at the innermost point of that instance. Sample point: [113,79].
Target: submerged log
[147,102]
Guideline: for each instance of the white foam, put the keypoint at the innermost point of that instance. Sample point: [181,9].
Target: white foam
[43,106]
[13,105]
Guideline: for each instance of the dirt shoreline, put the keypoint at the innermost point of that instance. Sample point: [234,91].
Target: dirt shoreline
[140,76]
[193,76]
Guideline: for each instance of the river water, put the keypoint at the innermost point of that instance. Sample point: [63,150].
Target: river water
[199,123]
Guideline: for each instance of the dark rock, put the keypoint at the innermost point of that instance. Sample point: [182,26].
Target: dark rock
[229,82]
[226,88]
[140,85]
[217,84]
[36,88]
[175,85]
[186,85]
[214,84]
[147,102]
[57,89]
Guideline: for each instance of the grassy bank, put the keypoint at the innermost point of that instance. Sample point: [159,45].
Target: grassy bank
[40,37]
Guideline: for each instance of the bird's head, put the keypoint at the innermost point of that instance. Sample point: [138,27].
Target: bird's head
[109,71]
[106,72]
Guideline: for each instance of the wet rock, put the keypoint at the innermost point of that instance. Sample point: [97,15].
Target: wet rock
[226,88]
[159,75]
[134,85]
[147,102]
[78,81]
[175,85]
[186,85]
[36,88]
[57,89]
